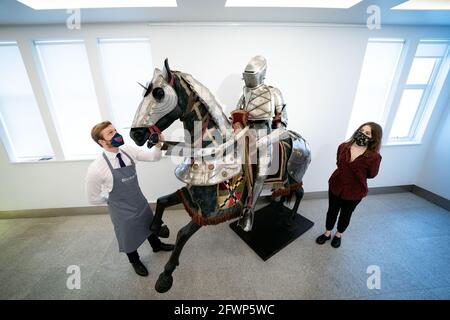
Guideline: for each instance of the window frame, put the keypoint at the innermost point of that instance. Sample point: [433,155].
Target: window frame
[385,112]
[44,82]
[102,67]
[30,56]
[414,137]
[4,132]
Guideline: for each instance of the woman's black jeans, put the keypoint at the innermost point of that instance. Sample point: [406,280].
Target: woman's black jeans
[346,207]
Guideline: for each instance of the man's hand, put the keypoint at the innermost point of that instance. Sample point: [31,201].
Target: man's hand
[160,141]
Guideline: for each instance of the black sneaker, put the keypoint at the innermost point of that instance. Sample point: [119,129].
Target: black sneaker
[336,242]
[140,269]
[163,247]
[322,239]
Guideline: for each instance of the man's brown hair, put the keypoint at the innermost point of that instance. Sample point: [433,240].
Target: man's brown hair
[96,132]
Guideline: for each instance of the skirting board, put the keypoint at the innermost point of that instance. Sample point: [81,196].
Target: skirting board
[372,191]
[432,197]
[59,212]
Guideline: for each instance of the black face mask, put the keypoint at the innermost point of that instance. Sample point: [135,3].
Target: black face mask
[361,139]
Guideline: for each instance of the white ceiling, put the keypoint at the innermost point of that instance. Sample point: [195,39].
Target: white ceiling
[15,13]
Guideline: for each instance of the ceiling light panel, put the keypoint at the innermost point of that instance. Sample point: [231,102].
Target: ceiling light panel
[424,5]
[86,4]
[334,4]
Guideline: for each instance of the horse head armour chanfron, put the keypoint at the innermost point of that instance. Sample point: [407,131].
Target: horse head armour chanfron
[159,100]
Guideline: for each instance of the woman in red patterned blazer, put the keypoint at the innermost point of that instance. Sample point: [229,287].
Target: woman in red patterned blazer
[358,159]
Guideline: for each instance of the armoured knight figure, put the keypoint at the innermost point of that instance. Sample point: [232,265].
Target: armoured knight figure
[265,110]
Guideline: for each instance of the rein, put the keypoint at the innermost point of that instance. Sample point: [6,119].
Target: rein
[174,147]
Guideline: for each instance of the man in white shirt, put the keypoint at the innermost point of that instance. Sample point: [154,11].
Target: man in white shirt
[112,179]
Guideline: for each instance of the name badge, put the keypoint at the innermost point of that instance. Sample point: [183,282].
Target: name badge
[125,180]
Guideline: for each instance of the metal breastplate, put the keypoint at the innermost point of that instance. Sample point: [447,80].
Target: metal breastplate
[258,103]
[206,172]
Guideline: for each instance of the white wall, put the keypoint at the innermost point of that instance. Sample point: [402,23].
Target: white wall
[316,67]
[435,173]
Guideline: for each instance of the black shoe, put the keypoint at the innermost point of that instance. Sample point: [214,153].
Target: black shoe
[164,232]
[163,247]
[322,239]
[336,242]
[140,269]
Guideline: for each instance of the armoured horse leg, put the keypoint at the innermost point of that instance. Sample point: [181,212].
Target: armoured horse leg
[161,204]
[165,280]
[278,201]
[298,198]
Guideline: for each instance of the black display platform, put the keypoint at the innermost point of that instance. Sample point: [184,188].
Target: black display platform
[269,233]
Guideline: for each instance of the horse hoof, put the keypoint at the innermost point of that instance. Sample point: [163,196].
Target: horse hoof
[164,283]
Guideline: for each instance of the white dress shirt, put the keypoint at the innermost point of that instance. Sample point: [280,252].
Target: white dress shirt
[99,180]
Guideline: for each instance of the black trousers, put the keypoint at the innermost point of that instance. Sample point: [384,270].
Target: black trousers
[346,207]
[154,242]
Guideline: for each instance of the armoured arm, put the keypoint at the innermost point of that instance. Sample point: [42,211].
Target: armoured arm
[240,104]
[280,118]
[238,115]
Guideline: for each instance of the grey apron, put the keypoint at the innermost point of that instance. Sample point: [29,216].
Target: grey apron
[129,210]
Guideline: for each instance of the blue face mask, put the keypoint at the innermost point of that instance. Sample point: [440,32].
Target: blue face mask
[117,140]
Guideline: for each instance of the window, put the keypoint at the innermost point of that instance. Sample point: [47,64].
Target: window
[21,126]
[377,74]
[413,111]
[405,113]
[125,63]
[73,101]
[388,95]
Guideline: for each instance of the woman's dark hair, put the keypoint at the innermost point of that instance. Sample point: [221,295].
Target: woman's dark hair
[377,134]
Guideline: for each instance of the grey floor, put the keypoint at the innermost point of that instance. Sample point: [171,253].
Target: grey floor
[404,235]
